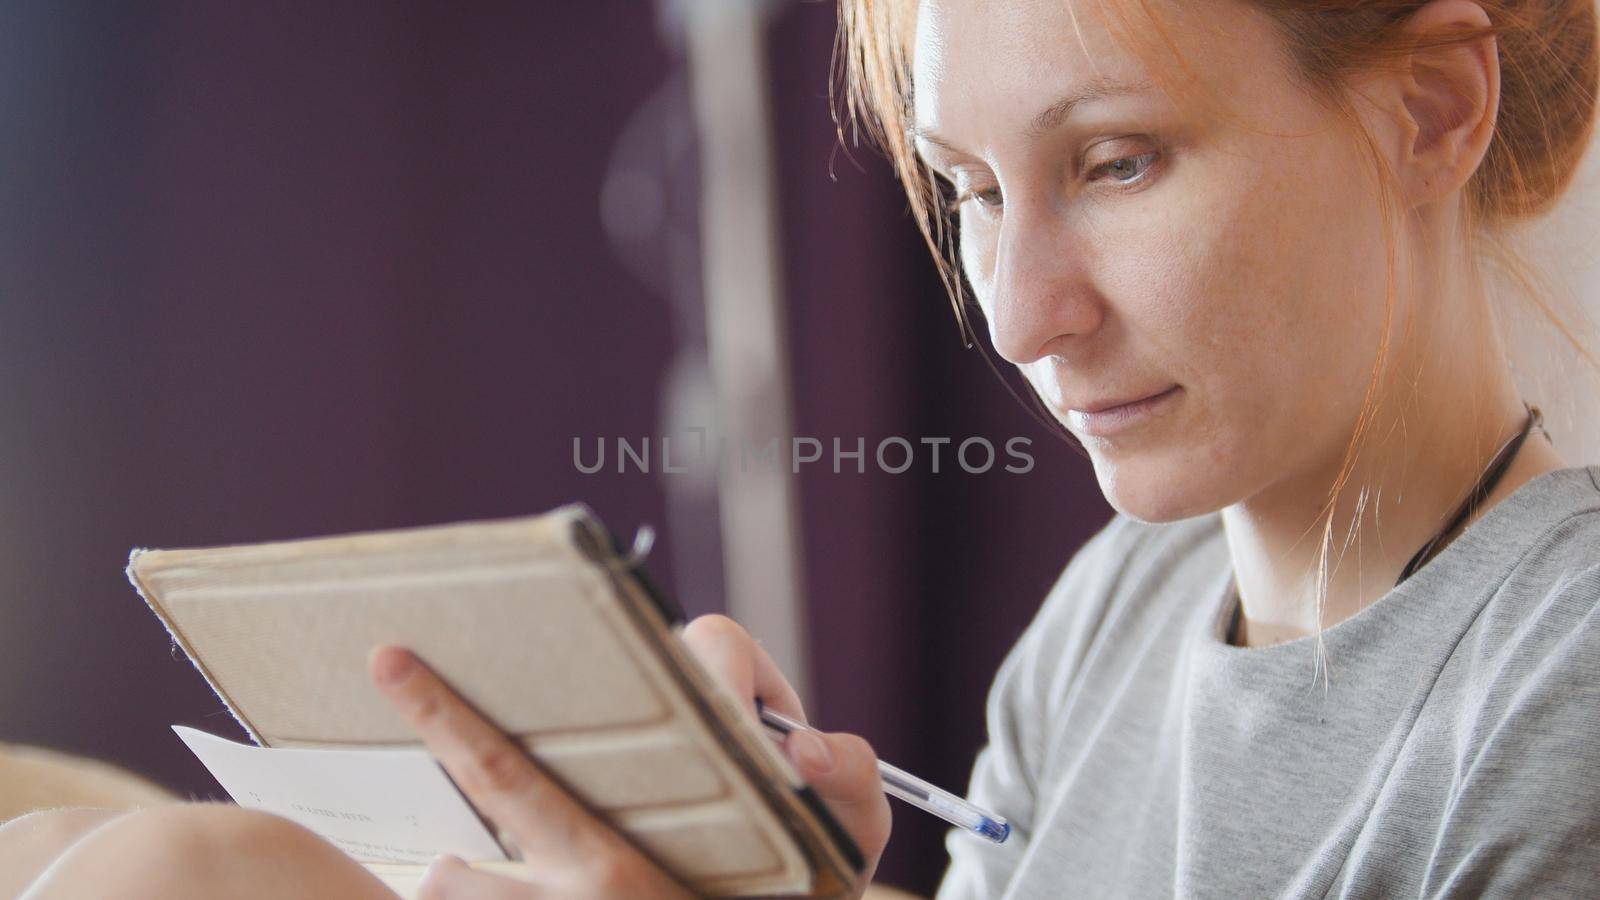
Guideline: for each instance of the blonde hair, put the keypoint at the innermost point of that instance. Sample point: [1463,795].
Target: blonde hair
[1548,60]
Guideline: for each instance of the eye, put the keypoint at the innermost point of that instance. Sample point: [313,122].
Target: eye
[988,198]
[956,189]
[1125,170]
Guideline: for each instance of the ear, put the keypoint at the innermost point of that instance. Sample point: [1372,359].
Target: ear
[1448,98]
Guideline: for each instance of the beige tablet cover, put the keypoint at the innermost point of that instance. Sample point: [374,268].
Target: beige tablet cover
[553,635]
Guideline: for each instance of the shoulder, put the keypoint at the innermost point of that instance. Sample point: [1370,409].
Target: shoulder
[1127,574]
[1130,564]
[1526,671]
[1106,577]
[1546,598]
[1523,809]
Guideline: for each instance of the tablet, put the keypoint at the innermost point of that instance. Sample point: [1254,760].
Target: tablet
[551,630]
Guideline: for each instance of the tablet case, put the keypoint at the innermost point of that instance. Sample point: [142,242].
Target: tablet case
[555,634]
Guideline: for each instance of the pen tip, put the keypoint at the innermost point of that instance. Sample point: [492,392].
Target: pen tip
[995,831]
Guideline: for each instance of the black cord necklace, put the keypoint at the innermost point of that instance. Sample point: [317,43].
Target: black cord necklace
[1491,477]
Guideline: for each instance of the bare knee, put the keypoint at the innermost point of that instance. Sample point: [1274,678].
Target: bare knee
[56,826]
[183,834]
[29,843]
[204,850]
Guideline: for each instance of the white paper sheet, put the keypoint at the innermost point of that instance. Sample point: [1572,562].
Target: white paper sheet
[376,805]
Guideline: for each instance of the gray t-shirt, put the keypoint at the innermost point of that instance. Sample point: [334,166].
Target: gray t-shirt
[1455,750]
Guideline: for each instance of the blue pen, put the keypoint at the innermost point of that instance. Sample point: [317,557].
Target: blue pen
[913,790]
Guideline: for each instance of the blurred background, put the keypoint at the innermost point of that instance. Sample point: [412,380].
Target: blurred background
[282,270]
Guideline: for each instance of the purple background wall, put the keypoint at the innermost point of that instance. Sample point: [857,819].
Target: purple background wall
[275,272]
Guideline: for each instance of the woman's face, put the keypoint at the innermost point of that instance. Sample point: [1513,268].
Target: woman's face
[1123,246]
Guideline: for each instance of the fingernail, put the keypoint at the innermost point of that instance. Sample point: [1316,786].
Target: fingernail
[442,861]
[392,666]
[811,751]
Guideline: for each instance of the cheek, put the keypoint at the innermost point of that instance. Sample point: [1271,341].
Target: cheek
[1257,288]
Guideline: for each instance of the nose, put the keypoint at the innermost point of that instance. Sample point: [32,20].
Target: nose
[1043,292]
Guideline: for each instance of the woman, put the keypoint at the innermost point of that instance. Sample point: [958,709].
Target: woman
[1341,638]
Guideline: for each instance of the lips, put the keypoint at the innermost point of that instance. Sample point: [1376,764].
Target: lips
[1103,405]
[1106,418]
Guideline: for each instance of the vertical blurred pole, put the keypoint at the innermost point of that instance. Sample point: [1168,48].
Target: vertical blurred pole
[745,320]
[650,207]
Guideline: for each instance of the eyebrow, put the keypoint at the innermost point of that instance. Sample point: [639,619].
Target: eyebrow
[1098,88]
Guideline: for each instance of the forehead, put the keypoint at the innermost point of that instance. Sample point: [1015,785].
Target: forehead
[999,60]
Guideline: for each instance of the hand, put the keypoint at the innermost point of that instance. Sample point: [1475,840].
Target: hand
[567,851]
[842,768]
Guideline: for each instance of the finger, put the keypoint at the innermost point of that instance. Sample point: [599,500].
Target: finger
[742,665]
[448,878]
[843,769]
[495,774]
[845,776]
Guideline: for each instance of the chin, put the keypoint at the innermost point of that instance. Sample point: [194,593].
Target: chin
[1155,488]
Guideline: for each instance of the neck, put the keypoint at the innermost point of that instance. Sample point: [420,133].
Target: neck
[1417,463]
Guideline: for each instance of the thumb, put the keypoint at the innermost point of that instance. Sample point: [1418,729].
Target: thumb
[843,769]
[448,878]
